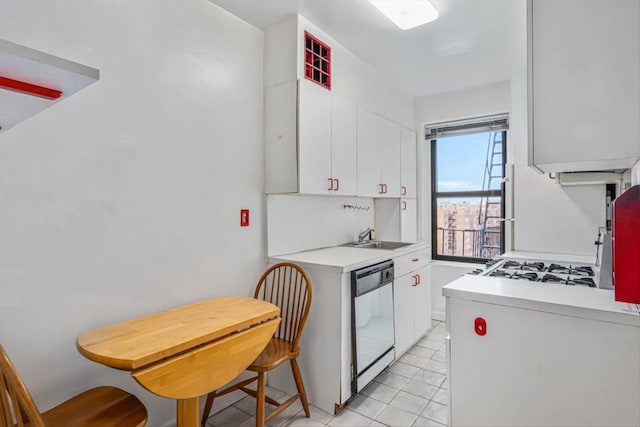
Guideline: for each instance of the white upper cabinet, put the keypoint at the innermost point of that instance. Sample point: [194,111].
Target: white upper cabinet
[407,163]
[344,150]
[378,156]
[584,84]
[314,139]
[310,141]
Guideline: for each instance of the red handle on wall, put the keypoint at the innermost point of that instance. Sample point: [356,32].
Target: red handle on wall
[404,190]
[330,184]
[404,205]
[337,185]
[415,280]
[480,326]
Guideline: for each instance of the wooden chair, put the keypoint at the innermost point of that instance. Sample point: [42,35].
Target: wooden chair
[102,406]
[287,286]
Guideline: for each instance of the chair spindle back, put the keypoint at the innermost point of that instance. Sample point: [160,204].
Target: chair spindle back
[287,286]
[17,407]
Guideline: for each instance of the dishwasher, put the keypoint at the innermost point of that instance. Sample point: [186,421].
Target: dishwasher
[372,334]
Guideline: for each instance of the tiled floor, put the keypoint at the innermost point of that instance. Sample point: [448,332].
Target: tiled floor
[411,392]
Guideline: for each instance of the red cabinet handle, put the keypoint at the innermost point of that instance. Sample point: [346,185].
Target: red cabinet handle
[330,184]
[337,185]
[415,259]
[415,280]
[480,325]
[404,205]
[419,278]
[381,189]
[404,190]
[384,188]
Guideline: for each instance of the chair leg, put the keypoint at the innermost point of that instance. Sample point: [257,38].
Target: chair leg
[260,405]
[207,407]
[298,378]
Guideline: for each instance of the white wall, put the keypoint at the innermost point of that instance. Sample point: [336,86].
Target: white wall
[297,223]
[125,198]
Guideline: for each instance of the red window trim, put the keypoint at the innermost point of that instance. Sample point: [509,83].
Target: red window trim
[313,61]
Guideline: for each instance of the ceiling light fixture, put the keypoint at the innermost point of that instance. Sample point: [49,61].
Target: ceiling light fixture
[407,14]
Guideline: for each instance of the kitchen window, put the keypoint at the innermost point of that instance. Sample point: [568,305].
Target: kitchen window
[467,188]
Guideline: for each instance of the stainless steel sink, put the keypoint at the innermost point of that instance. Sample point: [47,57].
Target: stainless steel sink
[377,244]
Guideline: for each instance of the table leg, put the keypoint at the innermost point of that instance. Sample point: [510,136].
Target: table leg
[188,412]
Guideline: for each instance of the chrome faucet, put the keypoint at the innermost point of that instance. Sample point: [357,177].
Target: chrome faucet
[364,234]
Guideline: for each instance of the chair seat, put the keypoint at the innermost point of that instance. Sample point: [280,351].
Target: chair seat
[100,407]
[276,352]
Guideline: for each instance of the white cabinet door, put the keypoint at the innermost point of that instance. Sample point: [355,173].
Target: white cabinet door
[389,146]
[585,84]
[378,156]
[412,307]
[369,126]
[422,302]
[408,163]
[314,139]
[402,312]
[343,147]
[408,220]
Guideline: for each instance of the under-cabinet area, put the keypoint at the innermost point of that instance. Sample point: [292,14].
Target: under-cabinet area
[326,356]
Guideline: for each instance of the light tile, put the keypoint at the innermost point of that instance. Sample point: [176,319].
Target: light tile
[392,380]
[380,392]
[375,423]
[348,418]
[228,417]
[421,352]
[409,402]
[367,406]
[430,377]
[319,415]
[425,422]
[412,359]
[436,411]
[420,389]
[404,369]
[440,356]
[435,366]
[432,343]
[396,417]
[301,420]
[441,396]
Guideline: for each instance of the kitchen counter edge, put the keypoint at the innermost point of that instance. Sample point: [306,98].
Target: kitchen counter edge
[343,259]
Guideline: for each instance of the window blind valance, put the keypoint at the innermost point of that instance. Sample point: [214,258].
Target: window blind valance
[464,127]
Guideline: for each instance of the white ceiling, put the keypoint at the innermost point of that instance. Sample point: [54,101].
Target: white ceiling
[472,43]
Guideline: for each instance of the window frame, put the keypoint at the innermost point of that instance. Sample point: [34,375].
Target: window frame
[435,195]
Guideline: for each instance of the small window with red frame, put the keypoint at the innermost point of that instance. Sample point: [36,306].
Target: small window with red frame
[317,61]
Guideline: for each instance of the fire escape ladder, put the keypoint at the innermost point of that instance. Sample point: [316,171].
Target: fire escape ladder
[492,175]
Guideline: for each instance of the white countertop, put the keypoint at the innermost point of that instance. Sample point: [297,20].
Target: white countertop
[345,258]
[577,301]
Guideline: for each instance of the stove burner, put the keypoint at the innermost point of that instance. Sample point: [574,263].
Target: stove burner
[500,273]
[511,264]
[585,281]
[533,266]
[552,278]
[532,277]
[584,270]
[476,272]
[557,268]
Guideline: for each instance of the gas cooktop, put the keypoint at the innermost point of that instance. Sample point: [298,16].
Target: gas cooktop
[541,271]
